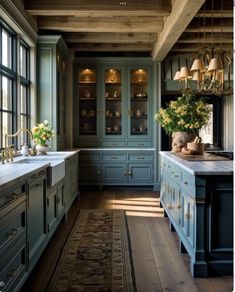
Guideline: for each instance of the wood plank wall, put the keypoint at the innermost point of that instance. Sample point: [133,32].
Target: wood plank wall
[228,123]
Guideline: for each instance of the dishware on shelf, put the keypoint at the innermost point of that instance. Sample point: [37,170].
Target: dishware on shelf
[116,127]
[87,93]
[117,114]
[138,113]
[83,113]
[92,113]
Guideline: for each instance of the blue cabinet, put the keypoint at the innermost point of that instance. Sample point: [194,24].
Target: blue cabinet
[13,263]
[116,167]
[114,103]
[199,207]
[36,216]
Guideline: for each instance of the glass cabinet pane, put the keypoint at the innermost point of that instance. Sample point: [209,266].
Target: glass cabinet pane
[87,102]
[139,102]
[113,97]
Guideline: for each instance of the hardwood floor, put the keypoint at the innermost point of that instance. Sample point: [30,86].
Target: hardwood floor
[158,264]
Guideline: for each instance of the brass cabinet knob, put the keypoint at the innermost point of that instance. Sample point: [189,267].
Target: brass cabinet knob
[178,206]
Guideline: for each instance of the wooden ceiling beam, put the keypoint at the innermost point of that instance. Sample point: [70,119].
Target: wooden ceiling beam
[112,47]
[182,13]
[99,13]
[78,7]
[128,38]
[114,24]
[218,13]
[209,28]
[191,48]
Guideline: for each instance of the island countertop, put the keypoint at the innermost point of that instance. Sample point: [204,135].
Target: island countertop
[221,167]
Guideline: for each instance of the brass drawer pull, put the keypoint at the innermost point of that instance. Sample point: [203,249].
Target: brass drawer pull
[176,175]
[98,173]
[185,182]
[140,144]
[129,173]
[114,144]
[178,206]
[140,157]
[13,232]
[188,215]
[113,157]
[13,273]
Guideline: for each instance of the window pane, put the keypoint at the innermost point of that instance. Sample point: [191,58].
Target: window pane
[206,133]
[23,135]
[23,99]
[6,126]
[6,49]
[23,61]
[6,93]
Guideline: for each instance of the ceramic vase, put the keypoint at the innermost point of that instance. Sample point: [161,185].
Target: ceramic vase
[42,149]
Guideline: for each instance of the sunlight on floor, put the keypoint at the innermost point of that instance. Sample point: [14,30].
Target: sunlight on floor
[140,207]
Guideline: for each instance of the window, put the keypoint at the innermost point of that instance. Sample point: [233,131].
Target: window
[14,85]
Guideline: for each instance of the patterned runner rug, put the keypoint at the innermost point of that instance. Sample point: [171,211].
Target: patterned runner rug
[96,255]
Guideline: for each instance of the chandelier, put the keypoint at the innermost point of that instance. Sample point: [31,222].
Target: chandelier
[211,68]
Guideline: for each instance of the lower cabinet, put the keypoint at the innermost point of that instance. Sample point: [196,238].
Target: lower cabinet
[13,251]
[55,206]
[36,216]
[30,212]
[200,210]
[112,167]
[70,181]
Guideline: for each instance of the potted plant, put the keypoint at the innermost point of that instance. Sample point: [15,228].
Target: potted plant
[42,134]
[183,118]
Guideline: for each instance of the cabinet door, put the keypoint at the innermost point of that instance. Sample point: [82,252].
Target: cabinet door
[89,173]
[113,121]
[140,173]
[51,209]
[188,217]
[87,94]
[114,173]
[139,107]
[36,219]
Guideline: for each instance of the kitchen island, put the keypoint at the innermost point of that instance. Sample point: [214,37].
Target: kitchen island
[197,197]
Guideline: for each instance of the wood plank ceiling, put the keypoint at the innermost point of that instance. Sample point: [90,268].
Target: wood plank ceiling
[153,27]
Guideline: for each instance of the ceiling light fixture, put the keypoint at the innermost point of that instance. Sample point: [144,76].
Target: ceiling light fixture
[211,67]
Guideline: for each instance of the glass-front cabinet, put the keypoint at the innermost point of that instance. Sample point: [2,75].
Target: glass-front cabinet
[115,105]
[113,102]
[139,102]
[87,91]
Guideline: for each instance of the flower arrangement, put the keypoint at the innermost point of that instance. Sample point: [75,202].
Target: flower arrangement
[42,133]
[186,114]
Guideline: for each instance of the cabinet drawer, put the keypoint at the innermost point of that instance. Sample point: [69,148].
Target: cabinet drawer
[140,157]
[38,175]
[188,183]
[115,157]
[12,195]
[89,157]
[139,144]
[12,226]
[114,144]
[13,266]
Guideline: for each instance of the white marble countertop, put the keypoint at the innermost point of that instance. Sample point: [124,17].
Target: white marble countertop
[222,167]
[14,171]
[118,149]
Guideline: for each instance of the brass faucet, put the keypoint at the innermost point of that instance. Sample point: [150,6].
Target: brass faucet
[8,152]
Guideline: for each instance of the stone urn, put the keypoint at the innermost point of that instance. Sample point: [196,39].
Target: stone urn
[180,140]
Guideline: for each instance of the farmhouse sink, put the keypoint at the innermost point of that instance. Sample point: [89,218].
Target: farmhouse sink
[56,168]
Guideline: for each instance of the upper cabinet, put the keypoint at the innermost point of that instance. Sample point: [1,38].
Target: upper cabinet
[114,103]
[139,102]
[51,81]
[87,101]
